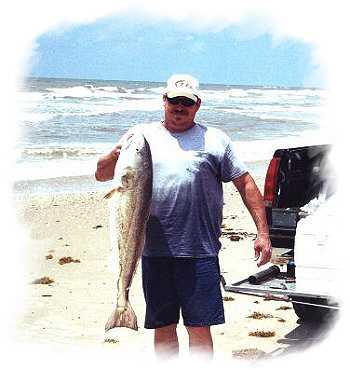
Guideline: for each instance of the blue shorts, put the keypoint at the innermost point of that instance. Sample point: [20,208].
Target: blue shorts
[189,284]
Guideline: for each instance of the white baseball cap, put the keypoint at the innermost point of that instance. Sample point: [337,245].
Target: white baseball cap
[182,85]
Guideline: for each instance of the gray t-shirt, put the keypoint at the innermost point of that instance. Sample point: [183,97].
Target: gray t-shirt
[187,199]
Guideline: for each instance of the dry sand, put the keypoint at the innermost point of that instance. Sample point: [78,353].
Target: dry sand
[69,244]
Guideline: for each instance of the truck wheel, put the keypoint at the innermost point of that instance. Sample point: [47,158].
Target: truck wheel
[312,313]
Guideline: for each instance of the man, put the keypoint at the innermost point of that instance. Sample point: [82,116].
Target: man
[180,268]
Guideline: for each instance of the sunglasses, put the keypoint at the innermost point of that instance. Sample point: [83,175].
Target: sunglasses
[183,100]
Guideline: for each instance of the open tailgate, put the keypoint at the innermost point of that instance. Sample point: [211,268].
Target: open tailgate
[279,287]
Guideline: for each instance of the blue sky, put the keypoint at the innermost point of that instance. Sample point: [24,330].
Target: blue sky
[124,48]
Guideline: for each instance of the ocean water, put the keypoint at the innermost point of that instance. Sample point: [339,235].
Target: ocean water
[66,124]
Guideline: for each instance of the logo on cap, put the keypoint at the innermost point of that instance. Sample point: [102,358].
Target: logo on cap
[183,83]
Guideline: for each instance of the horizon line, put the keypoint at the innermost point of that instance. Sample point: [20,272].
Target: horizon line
[201,83]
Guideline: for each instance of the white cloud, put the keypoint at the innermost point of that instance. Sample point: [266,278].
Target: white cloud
[323,24]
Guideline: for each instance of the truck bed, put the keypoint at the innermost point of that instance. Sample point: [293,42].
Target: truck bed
[279,287]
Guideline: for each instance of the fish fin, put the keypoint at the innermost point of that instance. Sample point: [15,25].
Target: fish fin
[122,317]
[110,194]
[119,189]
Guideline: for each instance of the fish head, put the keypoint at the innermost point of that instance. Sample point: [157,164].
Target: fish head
[134,159]
[137,151]
[137,146]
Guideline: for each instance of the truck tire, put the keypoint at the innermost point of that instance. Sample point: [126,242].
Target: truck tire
[308,313]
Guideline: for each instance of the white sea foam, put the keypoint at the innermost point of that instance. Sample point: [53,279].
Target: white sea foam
[88,91]
[30,96]
[147,105]
[257,97]
[101,96]
[81,160]
[256,150]
[87,113]
[275,112]
[53,168]
[76,91]
[34,117]
[266,112]
[157,90]
[113,99]
[112,89]
[237,93]
[57,152]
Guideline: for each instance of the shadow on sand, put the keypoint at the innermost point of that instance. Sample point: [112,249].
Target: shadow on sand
[305,336]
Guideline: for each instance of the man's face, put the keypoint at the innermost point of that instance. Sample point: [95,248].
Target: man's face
[178,116]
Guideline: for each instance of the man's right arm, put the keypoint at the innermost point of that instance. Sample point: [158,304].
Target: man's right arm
[106,165]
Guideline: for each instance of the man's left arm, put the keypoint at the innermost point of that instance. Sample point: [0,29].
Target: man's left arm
[253,200]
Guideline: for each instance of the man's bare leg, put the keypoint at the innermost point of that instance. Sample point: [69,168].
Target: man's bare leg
[166,344]
[200,341]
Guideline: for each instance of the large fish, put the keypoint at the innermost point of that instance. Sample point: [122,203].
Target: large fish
[133,178]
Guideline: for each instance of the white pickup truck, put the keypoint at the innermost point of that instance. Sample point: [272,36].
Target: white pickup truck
[299,198]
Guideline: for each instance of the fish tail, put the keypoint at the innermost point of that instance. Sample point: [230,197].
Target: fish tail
[122,317]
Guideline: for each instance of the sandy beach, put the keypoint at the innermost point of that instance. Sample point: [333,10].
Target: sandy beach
[70,251]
